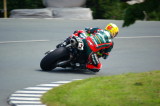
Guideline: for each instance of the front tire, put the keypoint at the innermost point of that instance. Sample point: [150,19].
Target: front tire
[49,62]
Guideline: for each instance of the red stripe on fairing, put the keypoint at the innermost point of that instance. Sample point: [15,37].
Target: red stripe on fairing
[93,46]
[106,53]
[105,44]
[90,66]
[109,44]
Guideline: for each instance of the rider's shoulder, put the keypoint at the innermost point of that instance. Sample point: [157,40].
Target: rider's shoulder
[99,30]
[102,31]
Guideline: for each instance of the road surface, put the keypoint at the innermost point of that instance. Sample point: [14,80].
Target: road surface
[23,43]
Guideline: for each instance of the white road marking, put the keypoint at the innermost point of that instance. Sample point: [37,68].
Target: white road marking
[134,37]
[27,41]
[30,96]
[25,95]
[33,92]
[63,82]
[23,41]
[38,88]
[49,85]
[77,79]
[22,98]
[26,102]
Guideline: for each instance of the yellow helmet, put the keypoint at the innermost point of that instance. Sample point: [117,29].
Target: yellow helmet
[113,29]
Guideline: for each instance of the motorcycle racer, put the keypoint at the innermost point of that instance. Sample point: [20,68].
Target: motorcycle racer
[94,43]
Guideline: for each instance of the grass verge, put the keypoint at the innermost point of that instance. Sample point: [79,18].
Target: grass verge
[133,89]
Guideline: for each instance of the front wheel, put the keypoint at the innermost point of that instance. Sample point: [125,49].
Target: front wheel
[49,62]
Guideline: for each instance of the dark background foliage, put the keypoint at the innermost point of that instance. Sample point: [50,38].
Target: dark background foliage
[107,9]
[148,10]
[20,4]
[102,9]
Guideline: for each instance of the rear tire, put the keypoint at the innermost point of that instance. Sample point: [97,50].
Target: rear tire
[49,62]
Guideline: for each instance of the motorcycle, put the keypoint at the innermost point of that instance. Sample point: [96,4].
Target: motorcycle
[69,55]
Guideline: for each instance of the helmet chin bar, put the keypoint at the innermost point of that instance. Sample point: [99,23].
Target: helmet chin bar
[113,36]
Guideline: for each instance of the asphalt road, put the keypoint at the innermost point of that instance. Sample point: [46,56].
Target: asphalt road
[24,41]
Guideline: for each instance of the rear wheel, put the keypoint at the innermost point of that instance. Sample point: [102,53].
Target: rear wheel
[49,62]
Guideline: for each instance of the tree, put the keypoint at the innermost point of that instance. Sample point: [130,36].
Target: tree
[148,10]
[120,10]
[106,9]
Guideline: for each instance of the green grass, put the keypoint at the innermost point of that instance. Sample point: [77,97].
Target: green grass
[133,89]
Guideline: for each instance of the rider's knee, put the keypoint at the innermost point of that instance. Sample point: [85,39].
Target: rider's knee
[91,66]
